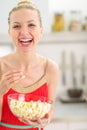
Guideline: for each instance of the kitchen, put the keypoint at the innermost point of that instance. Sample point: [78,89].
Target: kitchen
[69,49]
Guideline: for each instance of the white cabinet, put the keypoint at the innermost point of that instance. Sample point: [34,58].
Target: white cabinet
[67,126]
[56,126]
[78,126]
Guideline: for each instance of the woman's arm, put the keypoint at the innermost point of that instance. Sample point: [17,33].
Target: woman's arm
[52,74]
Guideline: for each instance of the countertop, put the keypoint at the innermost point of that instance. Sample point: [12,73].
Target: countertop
[70,111]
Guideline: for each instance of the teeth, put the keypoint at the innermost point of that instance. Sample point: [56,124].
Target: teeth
[24,41]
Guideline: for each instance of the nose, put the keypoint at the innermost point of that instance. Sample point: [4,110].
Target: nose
[24,30]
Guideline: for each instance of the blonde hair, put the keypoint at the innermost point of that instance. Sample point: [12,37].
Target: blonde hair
[25,4]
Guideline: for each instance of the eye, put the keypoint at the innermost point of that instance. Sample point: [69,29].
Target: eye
[16,26]
[31,25]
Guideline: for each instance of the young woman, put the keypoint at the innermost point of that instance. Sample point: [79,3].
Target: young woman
[25,71]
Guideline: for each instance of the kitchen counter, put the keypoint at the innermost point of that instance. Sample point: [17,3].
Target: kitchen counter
[70,111]
[69,116]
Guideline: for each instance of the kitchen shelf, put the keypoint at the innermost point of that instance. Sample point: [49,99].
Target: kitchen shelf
[65,37]
[53,37]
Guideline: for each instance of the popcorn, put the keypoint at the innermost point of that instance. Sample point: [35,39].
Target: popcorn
[31,110]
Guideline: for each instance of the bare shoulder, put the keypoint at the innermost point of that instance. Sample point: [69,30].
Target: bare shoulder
[1,63]
[5,59]
[53,78]
[1,59]
[52,66]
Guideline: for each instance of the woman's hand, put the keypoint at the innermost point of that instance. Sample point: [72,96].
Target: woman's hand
[9,79]
[41,122]
[37,123]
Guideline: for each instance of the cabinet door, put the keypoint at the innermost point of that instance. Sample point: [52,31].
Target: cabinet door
[56,126]
[78,126]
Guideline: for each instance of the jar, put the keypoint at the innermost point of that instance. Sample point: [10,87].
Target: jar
[75,21]
[85,24]
[58,24]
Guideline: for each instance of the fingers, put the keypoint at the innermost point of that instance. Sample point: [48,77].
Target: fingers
[14,74]
[43,122]
[39,122]
[14,77]
[9,79]
[29,122]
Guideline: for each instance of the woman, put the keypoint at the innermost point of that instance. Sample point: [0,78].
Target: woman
[25,71]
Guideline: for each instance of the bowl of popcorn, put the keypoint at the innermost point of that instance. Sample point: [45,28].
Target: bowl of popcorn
[29,106]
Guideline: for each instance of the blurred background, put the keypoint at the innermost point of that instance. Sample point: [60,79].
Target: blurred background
[65,41]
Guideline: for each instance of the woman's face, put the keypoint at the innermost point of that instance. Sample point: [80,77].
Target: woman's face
[25,29]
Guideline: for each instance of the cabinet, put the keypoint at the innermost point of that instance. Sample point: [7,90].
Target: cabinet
[57,126]
[78,126]
[67,126]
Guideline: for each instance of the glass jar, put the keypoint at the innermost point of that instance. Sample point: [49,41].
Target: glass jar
[75,21]
[58,22]
[85,24]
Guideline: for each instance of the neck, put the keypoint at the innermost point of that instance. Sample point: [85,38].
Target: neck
[26,59]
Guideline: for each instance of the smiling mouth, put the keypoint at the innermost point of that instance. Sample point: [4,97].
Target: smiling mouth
[25,42]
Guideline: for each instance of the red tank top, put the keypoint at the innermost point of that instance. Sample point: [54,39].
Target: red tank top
[39,88]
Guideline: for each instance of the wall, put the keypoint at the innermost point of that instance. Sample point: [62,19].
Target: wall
[47,8]
[6,6]
[60,47]
[66,6]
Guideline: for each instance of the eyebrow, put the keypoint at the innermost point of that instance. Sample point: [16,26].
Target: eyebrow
[26,22]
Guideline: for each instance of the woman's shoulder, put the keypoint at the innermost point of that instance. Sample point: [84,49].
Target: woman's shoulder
[2,58]
[52,73]
[52,69]
[5,59]
[52,65]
